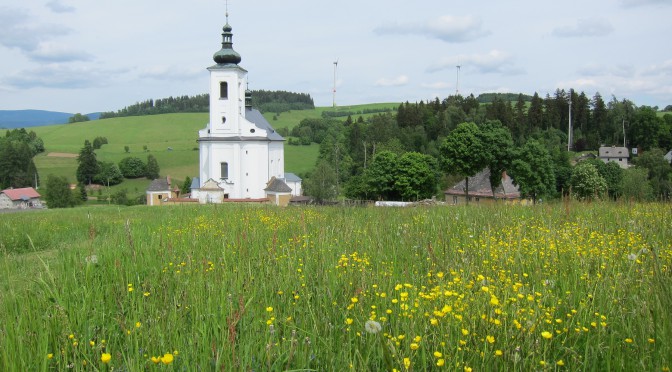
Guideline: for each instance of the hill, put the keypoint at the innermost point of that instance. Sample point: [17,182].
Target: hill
[171,138]
[10,119]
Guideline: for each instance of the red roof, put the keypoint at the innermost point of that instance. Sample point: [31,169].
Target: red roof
[18,194]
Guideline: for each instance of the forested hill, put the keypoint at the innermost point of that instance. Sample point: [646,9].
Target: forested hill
[265,101]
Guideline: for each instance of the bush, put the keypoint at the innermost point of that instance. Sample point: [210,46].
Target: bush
[132,167]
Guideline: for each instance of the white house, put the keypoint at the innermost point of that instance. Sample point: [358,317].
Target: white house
[619,155]
[239,150]
[22,198]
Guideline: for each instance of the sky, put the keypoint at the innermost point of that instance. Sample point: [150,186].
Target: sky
[82,56]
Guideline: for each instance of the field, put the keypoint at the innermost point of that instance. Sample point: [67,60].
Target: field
[171,138]
[255,288]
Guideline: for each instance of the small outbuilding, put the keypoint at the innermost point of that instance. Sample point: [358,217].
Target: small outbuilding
[278,192]
[159,191]
[22,198]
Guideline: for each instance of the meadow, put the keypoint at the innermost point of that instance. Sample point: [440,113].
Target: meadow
[240,287]
[170,138]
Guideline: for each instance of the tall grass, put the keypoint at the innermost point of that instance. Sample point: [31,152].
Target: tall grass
[231,287]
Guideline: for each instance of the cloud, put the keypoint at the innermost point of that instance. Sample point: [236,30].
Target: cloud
[59,76]
[663,69]
[57,6]
[436,85]
[52,52]
[494,62]
[585,28]
[624,71]
[171,73]
[19,31]
[638,3]
[450,29]
[394,82]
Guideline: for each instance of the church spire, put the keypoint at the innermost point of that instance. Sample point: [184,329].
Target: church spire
[227,55]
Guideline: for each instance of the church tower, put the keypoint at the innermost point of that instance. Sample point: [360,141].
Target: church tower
[239,151]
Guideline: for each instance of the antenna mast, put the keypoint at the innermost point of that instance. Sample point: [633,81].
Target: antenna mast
[334,91]
[457,81]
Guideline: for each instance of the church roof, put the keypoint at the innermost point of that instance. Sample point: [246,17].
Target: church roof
[277,185]
[254,116]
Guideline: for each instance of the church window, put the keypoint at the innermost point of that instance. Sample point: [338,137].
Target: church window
[223,119]
[224,170]
[223,90]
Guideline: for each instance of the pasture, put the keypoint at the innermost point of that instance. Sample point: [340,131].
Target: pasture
[240,287]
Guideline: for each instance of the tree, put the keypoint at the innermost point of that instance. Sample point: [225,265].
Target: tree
[186,186]
[635,185]
[82,192]
[58,193]
[587,183]
[532,170]
[644,129]
[321,184]
[462,152]
[152,169]
[132,167]
[612,174]
[109,174]
[77,118]
[497,140]
[659,171]
[416,176]
[380,176]
[88,165]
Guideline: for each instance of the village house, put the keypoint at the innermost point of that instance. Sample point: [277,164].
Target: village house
[23,198]
[480,190]
[619,155]
[159,191]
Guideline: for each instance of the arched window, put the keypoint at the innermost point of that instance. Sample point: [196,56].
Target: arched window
[224,170]
[223,90]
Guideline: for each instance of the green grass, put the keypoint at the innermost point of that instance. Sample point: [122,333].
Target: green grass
[237,287]
[158,133]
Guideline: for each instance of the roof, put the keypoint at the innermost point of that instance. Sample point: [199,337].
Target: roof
[668,156]
[25,193]
[195,183]
[614,152]
[291,177]
[479,185]
[256,118]
[159,184]
[277,185]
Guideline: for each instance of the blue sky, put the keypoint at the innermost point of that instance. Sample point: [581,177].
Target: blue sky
[85,56]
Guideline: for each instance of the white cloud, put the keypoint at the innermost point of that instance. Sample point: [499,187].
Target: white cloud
[495,61]
[20,31]
[53,52]
[170,73]
[394,82]
[661,69]
[585,28]
[436,85]
[60,76]
[624,71]
[451,29]
[57,6]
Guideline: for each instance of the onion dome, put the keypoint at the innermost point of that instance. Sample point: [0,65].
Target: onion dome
[227,55]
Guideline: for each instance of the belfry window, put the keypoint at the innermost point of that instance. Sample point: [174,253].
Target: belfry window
[223,90]
[224,170]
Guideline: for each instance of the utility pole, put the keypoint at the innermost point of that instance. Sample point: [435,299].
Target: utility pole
[569,132]
[335,67]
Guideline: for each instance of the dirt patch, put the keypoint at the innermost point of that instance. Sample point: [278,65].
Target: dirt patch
[61,155]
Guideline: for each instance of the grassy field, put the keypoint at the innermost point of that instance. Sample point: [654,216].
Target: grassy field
[170,138]
[235,287]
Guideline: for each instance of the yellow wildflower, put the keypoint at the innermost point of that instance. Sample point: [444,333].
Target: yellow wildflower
[105,358]
[167,358]
[546,334]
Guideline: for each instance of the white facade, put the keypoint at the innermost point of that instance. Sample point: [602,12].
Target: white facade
[239,150]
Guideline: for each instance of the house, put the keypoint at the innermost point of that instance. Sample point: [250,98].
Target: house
[619,155]
[278,192]
[239,151]
[159,191]
[668,156]
[480,190]
[294,182]
[23,198]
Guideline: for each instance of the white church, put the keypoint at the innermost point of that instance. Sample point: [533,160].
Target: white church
[241,156]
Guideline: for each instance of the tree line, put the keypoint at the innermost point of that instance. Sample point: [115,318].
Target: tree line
[265,101]
[525,138]
[17,150]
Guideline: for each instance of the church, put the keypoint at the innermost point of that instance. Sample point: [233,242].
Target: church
[241,157]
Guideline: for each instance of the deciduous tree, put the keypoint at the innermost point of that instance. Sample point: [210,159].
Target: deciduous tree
[463,153]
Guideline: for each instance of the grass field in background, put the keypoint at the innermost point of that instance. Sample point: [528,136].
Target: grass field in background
[171,138]
[235,287]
